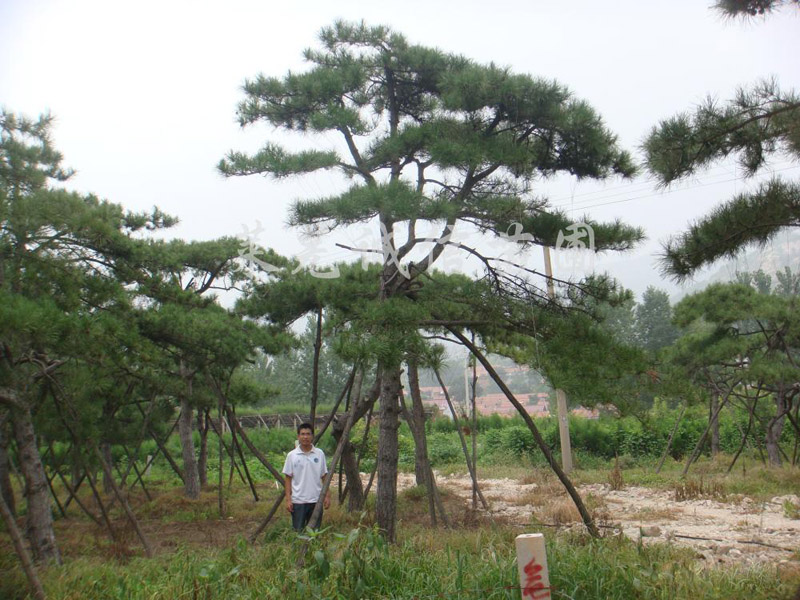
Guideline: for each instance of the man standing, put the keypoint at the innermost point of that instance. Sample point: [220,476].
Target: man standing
[305,471]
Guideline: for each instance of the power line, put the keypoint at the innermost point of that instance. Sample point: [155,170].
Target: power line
[636,187]
[672,191]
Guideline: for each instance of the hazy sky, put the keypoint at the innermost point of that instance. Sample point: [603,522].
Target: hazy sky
[145,94]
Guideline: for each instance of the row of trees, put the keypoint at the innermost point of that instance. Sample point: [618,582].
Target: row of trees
[741,342]
[103,330]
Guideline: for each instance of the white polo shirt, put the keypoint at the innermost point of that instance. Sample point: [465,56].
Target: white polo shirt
[306,471]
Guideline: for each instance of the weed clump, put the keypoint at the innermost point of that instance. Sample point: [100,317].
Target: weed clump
[615,477]
[694,489]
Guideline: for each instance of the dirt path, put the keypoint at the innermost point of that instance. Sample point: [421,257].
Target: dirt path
[735,531]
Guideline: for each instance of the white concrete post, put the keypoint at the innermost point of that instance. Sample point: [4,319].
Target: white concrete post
[534,580]
[561,396]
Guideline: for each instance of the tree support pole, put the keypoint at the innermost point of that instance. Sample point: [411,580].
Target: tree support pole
[27,564]
[369,482]
[60,462]
[124,476]
[345,391]
[140,474]
[751,410]
[73,493]
[698,448]
[366,435]
[315,374]
[360,451]
[148,550]
[341,463]
[470,467]
[669,441]
[474,429]
[587,518]
[220,447]
[224,446]
[139,478]
[437,499]
[161,446]
[232,418]
[101,507]
[55,497]
[238,448]
[421,460]
[50,483]
[86,473]
[259,455]
[354,489]
[278,501]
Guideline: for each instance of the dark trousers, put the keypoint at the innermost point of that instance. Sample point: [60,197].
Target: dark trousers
[301,515]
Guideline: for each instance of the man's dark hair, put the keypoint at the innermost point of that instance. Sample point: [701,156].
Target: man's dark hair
[305,426]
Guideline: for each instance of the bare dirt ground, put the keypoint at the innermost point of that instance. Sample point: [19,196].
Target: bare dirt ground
[736,530]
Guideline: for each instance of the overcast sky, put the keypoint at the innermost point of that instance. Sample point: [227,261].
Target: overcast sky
[145,94]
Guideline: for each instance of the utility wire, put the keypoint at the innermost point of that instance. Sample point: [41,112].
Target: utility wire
[672,191]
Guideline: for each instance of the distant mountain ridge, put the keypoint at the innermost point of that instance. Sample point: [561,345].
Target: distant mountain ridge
[783,251]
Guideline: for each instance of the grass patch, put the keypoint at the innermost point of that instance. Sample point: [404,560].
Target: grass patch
[355,563]
[655,514]
[791,510]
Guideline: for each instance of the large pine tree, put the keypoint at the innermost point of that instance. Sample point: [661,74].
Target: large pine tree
[426,137]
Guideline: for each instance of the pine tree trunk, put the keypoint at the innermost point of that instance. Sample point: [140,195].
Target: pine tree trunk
[425,477]
[105,449]
[349,463]
[714,423]
[202,461]
[386,495]
[774,429]
[421,463]
[355,489]
[75,471]
[39,525]
[6,490]
[191,483]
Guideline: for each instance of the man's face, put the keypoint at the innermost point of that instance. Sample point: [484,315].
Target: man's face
[305,437]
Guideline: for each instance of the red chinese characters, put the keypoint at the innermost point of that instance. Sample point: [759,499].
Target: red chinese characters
[534,588]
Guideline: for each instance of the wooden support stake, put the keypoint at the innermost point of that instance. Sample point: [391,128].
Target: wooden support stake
[162,448]
[470,467]
[100,505]
[139,476]
[73,493]
[22,551]
[537,436]
[148,550]
[278,501]
[224,446]
[238,447]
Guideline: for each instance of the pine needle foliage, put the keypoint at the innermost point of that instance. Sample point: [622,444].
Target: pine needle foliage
[429,135]
[760,122]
